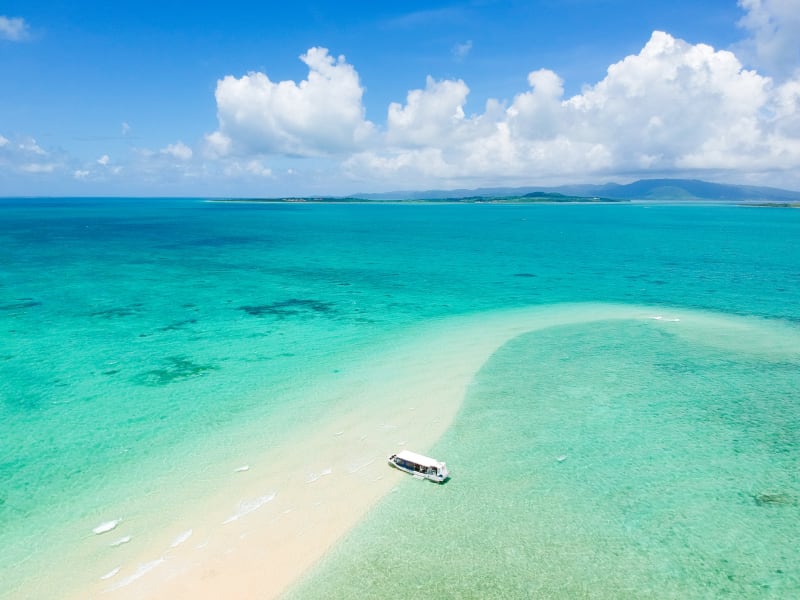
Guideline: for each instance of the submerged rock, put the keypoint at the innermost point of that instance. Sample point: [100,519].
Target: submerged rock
[774,499]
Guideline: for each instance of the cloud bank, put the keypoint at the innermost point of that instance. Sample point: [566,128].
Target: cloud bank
[675,107]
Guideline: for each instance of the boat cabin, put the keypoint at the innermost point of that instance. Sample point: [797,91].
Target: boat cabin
[422,467]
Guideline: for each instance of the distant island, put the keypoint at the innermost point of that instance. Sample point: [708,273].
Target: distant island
[643,190]
[532,197]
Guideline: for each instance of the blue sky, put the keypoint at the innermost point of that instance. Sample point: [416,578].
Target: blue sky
[259,98]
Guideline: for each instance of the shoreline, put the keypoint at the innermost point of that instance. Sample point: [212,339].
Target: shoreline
[269,524]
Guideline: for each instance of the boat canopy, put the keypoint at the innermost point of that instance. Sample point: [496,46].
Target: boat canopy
[418,459]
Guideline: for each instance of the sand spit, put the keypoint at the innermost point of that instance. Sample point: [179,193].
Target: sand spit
[275,520]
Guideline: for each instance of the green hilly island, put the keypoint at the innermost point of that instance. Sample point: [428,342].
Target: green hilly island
[644,190]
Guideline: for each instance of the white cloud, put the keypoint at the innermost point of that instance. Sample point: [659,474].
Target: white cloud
[125,128]
[14,29]
[217,144]
[460,51]
[430,117]
[256,168]
[320,115]
[178,150]
[38,167]
[235,168]
[28,145]
[538,114]
[673,107]
[668,102]
[774,26]
[786,106]
[427,163]
[24,155]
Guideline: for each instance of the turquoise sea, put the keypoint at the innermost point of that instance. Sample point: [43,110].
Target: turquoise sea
[144,341]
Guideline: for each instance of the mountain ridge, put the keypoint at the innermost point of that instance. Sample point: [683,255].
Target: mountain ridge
[642,189]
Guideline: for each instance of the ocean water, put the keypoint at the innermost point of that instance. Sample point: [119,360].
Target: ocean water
[142,342]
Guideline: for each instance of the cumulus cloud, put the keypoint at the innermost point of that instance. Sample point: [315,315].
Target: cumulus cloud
[672,107]
[786,110]
[321,115]
[667,103]
[14,29]
[774,43]
[430,117]
[106,168]
[28,145]
[217,145]
[24,155]
[178,150]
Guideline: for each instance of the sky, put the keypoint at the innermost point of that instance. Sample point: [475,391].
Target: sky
[270,99]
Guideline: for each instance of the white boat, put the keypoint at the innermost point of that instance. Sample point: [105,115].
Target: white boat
[421,467]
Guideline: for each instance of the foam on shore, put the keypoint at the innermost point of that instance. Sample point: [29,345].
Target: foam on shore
[333,470]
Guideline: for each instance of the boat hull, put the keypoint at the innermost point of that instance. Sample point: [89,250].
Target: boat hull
[437,475]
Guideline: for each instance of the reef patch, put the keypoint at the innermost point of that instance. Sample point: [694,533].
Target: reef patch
[289,308]
[177,368]
[178,325]
[115,312]
[20,304]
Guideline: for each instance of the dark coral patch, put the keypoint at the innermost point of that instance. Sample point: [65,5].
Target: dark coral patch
[114,313]
[178,325]
[20,304]
[178,368]
[774,499]
[289,308]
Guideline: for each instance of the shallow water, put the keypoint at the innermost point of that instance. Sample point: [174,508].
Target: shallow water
[141,340]
[606,460]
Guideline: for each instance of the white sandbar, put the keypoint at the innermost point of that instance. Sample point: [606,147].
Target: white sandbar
[273,521]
